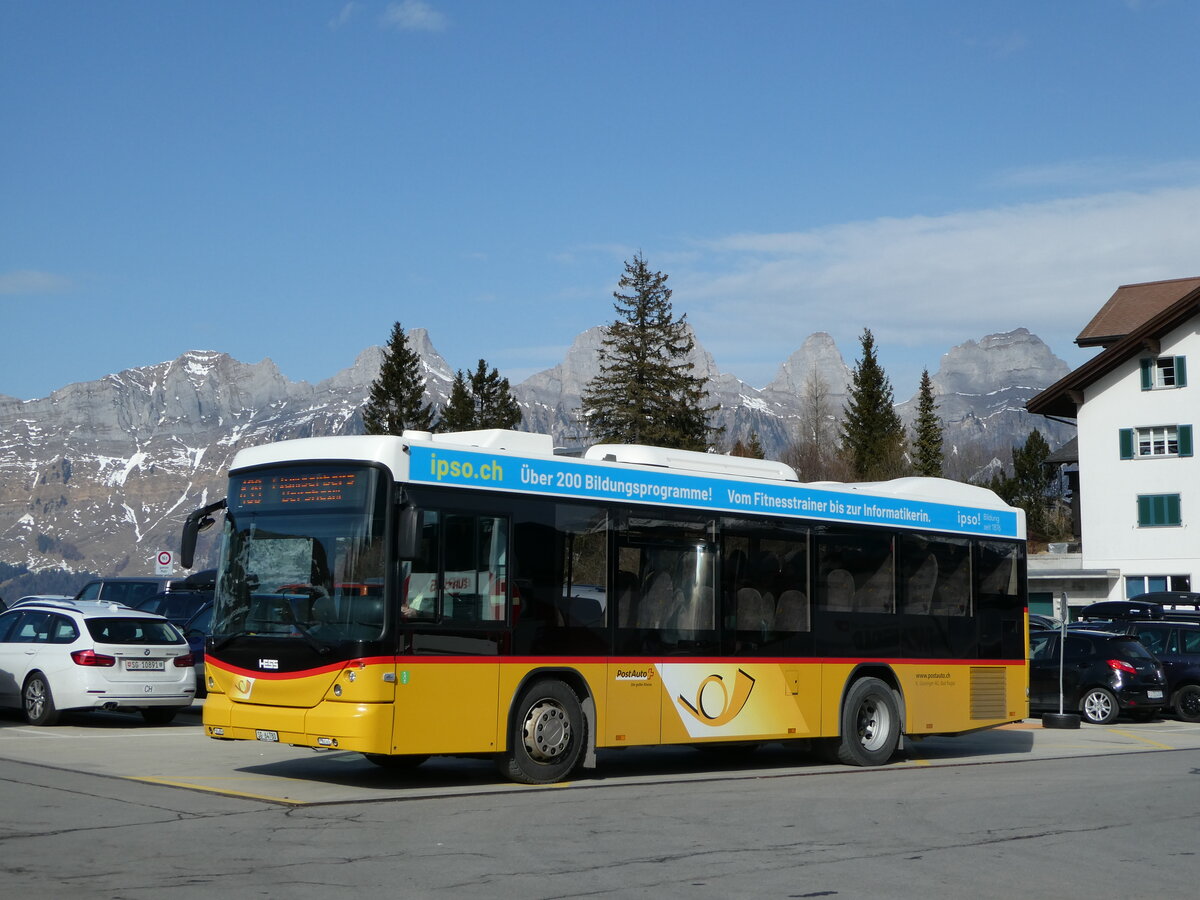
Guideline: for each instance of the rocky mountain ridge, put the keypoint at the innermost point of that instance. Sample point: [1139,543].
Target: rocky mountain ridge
[99,475]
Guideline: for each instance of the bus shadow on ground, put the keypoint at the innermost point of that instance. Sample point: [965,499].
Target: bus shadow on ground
[352,770]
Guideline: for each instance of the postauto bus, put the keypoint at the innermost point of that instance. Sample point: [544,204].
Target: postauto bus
[476,594]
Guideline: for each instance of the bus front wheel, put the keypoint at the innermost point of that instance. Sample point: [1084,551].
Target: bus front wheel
[870,724]
[547,736]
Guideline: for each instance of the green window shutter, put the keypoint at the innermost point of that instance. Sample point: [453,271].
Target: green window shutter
[1126,443]
[1185,440]
[1181,371]
[1171,510]
[1145,511]
[1147,374]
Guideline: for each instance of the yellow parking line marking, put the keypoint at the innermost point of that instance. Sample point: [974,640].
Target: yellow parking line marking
[228,792]
[1144,740]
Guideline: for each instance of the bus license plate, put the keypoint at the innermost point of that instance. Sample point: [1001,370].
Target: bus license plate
[145,665]
[266,735]
[1154,695]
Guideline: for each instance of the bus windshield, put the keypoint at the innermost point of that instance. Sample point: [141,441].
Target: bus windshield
[303,554]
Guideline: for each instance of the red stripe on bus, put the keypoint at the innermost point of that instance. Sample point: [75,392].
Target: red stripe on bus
[601,660]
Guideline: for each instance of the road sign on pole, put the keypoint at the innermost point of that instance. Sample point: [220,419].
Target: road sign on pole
[164,563]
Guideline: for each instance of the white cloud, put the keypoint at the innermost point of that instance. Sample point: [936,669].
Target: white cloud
[414,15]
[30,281]
[925,283]
[347,12]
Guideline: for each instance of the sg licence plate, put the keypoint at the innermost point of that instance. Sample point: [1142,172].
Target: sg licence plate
[1154,695]
[266,735]
[145,665]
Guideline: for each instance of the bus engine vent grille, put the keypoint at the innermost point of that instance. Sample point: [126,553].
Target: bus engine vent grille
[988,693]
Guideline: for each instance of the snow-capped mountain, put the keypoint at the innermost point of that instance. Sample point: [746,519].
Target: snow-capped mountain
[99,475]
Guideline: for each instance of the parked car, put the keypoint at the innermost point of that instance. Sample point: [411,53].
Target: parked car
[176,606]
[1108,610]
[1103,675]
[130,590]
[197,630]
[57,655]
[1043,623]
[36,598]
[1177,646]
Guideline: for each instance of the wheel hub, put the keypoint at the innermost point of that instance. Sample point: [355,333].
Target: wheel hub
[547,731]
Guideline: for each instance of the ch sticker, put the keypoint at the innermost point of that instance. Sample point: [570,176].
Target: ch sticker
[714,705]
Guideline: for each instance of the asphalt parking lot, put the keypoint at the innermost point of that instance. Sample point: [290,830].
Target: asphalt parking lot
[122,746]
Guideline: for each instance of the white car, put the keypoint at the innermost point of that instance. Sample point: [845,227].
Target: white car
[57,655]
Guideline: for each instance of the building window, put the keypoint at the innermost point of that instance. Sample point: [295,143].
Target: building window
[1162,440]
[1158,510]
[1136,585]
[1164,372]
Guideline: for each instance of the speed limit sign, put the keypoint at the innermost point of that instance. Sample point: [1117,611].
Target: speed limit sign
[164,563]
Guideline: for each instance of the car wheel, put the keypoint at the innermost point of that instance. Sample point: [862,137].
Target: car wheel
[1187,703]
[159,715]
[547,736]
[38,701]
[1099,706]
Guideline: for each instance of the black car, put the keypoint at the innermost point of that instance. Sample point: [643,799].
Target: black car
[176,606]
[128,590]
[1177,646]
[196,630]
[1104,674]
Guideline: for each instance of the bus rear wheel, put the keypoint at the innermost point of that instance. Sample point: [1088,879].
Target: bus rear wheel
[870,724]
[547,735]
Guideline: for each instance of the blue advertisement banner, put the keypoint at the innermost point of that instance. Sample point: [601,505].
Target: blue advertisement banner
[571,477]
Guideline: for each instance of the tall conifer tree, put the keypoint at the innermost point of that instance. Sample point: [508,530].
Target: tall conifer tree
[486,403]
[647,392]
[395,402]
[928,432]
[872,433]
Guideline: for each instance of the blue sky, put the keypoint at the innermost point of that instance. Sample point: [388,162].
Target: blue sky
[286,179]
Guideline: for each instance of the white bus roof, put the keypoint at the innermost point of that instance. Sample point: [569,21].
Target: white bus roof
[638,473]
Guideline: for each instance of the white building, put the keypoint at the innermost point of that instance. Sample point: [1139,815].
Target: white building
[1139,481]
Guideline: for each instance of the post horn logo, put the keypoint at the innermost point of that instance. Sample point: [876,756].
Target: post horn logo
[716,707]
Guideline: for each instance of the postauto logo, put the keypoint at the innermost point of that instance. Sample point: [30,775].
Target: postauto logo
[714,703]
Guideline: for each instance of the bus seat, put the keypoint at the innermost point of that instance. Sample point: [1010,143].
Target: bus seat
[839,590]
[921,585]
[750,610]
[627,599]
[792,612]
[656,602]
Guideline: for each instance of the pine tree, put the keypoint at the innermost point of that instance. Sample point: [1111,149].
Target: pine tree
[459,414]
[646,392]
[872,433]
[928,432]
[1031,487]
[486,403]
[395,401]
[751,449]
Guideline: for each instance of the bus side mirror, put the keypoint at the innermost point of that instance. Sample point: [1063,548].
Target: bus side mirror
[408,532]
[198,520]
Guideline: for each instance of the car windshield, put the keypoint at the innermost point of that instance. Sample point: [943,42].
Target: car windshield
[133,631]
[307,568]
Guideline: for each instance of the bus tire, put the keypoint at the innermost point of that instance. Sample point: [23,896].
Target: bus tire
[870,724]
[397,762]
[547,734]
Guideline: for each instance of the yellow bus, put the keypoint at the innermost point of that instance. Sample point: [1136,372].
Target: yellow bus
[477,594]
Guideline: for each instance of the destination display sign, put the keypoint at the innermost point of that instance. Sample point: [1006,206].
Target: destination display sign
[562,477]
[299,488]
